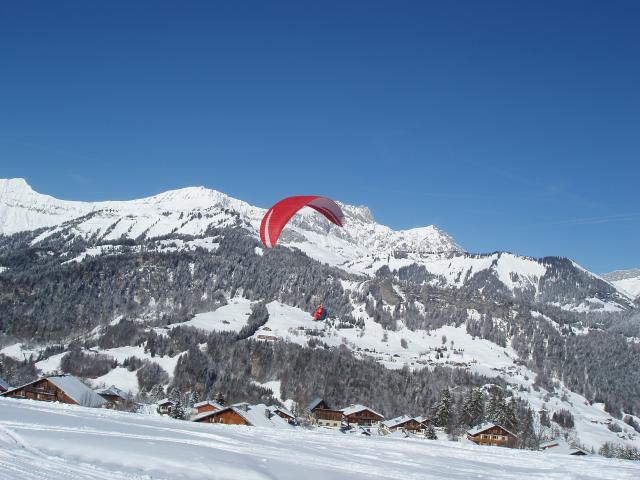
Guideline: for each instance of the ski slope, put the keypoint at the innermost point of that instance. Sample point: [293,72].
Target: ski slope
[52,441]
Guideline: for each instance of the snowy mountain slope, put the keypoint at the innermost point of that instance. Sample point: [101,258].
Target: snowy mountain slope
[627,281]
[49,441]
[362,247]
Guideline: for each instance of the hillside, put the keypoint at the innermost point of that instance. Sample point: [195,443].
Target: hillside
[47,441]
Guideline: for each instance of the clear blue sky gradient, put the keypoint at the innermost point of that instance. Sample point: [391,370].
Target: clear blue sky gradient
[512,125]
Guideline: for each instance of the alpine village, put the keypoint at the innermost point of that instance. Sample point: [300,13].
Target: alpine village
[490,422]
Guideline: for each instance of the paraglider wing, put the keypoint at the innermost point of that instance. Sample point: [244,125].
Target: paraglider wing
[278,215]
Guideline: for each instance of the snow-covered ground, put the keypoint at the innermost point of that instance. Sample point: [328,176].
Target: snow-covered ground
[52,441]
[230,317]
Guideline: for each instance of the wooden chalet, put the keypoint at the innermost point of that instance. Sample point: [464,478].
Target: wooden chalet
[225,416]
[58,388]
[4,386]
[491,434]
[113,395]
[165,405]
[243,414]
[207,406]
[404,423]
[282,413]
[360,415]
[322,415]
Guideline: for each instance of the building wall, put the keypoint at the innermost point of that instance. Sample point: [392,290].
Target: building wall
[494,436]
[228,417]
[327,418]
[410,426]
[206,408]
[363,418]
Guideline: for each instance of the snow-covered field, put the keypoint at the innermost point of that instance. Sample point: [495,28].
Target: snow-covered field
[52,441]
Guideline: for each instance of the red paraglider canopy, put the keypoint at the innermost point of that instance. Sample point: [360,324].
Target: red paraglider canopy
[278,215]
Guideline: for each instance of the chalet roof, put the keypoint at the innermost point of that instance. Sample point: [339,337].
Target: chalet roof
[422,419]
[551,443]
[4,385]
[164,401]
[208,402]
[73,388]
[486,426]
[394,422]
[254,415]
[273,408]
[111,391]
[561,447]
[351,409]
[77,390]
[314,403]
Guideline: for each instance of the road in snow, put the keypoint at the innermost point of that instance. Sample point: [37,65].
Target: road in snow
[50,441]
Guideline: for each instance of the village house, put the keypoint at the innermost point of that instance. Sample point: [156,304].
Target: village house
[243,414]
[207,406]
[561,446]
[4,386]
[404,423]
[322,415]
[491,434]
[58,388]
[113,395]
[165,405]
[282,413]
[361,416]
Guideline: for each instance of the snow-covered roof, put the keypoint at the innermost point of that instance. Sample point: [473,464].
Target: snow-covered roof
[351,409]
[562,447]
[273,408]
[164,401]
[77,391]
[208,402]
[486,426]
[112,391]
[314,403]
[422,419]
[4,385]
[394,422]
[254,415]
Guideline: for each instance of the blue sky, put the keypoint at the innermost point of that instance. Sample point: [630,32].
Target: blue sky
[511,125]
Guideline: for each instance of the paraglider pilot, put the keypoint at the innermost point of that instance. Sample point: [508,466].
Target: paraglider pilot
[319,314]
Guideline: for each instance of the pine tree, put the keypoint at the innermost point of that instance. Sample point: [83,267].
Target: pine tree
[194,398]
[156,393]
[544,417]
[472,409]
[430,432]
[443,409]
[495,406]
[527,437]
[174,394]
[508,418]
[177,410]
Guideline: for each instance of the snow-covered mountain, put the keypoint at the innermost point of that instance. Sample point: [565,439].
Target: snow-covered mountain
[363,246]
[191,211]
[627,281]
